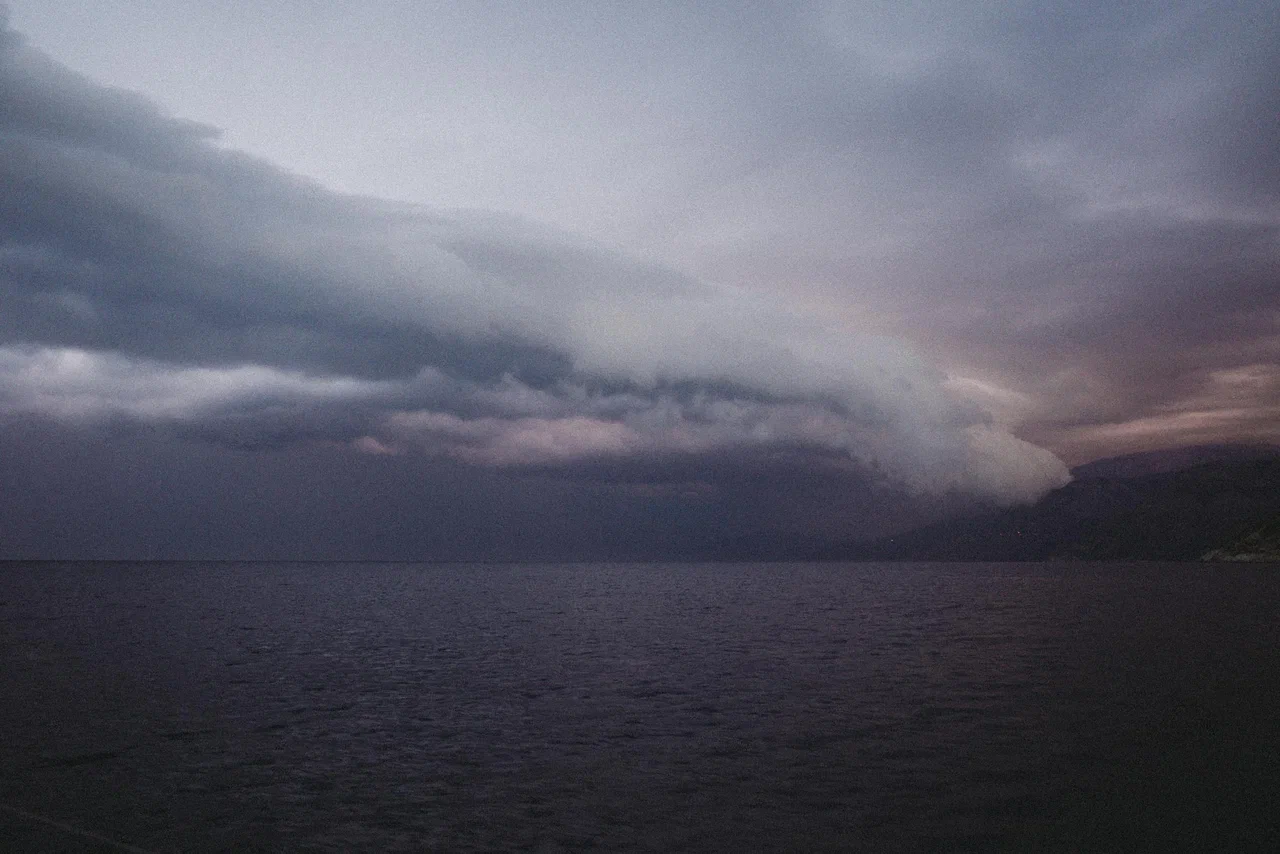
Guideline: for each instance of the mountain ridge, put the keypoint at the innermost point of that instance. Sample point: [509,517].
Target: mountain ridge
[1137,507]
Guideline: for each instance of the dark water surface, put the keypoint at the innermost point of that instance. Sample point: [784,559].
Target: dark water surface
[815,707]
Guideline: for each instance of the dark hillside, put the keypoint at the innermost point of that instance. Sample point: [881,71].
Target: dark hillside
[1173,459]
[1262,544]
[1177,515]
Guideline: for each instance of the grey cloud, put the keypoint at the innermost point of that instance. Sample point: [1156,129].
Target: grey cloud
[1069,209]
[149,275]
[42,99]
[1074,201]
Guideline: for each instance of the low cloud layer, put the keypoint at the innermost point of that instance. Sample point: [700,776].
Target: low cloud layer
[150,276]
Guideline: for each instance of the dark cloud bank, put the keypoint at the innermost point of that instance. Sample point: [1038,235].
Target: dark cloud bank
[202,355]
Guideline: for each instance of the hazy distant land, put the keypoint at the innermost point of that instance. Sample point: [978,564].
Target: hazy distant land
[1210,503]
[1204,503]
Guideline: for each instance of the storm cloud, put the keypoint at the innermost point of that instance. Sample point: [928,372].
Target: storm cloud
[692,269]
[151,275]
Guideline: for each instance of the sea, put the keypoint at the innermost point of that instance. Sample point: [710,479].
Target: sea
[881,707]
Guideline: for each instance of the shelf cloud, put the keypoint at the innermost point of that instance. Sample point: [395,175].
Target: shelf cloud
[152,275]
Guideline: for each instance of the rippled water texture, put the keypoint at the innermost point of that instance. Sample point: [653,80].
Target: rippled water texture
[321,707]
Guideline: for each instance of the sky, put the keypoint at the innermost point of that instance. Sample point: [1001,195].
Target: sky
[319,279]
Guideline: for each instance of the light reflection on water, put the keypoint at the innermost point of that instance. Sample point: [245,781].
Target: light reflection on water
[639,707]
